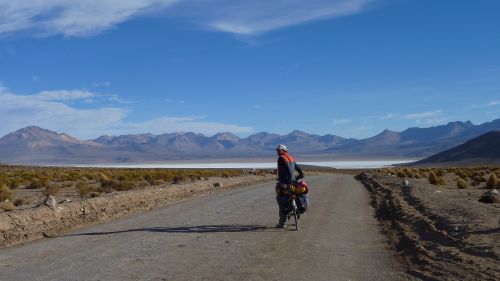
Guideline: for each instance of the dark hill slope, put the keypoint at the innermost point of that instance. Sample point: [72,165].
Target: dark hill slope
[484,149]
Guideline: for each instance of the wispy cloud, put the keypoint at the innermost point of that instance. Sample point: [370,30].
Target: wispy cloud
[242,17]
[488,104]
[54,110]
[63,95]
[106,84]
[250,17]
[71,18]
[419,118]
[409,116]
[175,101]
[390,116]
[340,121]
[432,121]
[169,124]
[422,115]
[362,128]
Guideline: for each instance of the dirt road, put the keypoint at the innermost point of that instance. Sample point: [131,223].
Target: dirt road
[227,236]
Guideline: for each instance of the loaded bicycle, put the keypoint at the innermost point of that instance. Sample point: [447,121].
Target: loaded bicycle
[296,192]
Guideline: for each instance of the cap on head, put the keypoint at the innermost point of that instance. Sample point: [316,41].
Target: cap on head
[281,147]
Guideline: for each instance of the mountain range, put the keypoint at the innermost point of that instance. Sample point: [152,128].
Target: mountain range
[482,150]
[34,145]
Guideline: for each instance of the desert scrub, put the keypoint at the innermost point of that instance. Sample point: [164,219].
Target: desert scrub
[435,179]
[125,185]
[18,202]
[461,183]
[7,206]
[401,174]
[52,189]
[492,182]
[439,172]
[5,193]
[83,189]
[115,185]
[36,184]
[462,173]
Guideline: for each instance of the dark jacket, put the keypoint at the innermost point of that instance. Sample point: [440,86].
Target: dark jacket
[286,168]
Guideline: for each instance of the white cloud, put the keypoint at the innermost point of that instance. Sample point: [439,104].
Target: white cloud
[432,121]
[242,17]
[362,128]
[106,84]
[64,95]
[420,118]
[48,110]
[408,116]
[250,17]
[341,121]
[71,18]
[422,115]
[180,124]
[488,104]
[390,116]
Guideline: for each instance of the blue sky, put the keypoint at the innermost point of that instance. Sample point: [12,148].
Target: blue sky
[347,67]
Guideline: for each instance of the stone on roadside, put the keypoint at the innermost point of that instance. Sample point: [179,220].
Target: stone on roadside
[490,196]
[218,184]
[405,183]
[50,201]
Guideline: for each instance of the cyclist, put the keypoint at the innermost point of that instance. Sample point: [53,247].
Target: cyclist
[286,176]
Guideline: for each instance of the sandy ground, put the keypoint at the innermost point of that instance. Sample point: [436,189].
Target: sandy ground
[225,236]
[444,231]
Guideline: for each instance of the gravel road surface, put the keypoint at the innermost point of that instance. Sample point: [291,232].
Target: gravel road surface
[226,236]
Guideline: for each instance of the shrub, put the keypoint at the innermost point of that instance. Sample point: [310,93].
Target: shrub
[108,185]
[5,193]
[18,202]
[492,182]
[435,179]
[83,189]
[461,184]
[180,178]
[124,185]
[94,194]
[52,189]
[401,174]
[35,185]
[7,206]
[440,172]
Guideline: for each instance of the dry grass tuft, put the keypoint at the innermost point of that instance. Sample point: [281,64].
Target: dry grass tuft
[7,206]
[436,179]
[52,189]
[461,183]
[492,182]
[5,193]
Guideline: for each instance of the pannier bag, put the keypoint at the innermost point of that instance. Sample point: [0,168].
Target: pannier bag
[301,188]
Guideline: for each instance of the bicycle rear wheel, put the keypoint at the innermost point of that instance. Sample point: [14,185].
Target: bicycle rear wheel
[296,219]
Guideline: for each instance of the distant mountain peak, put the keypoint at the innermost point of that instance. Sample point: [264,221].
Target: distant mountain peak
[36,137]
[387,131]
[298,133]
[226,136]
